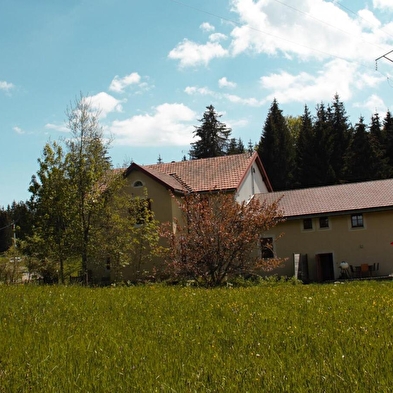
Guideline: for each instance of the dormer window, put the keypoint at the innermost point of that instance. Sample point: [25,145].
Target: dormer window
[137,184]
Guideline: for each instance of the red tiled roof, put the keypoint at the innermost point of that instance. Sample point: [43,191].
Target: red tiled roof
[218,173]
[334,199]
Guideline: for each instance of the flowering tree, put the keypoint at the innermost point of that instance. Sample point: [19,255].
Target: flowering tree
[216,237]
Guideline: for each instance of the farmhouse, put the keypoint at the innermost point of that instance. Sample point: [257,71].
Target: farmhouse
[326,226]
[323,226]
[240,174]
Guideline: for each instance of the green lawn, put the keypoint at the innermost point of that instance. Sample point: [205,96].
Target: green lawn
[271,338]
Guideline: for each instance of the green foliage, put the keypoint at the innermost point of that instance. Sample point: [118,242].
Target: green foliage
[271,338]
[16,221]
[387,133]
[327,148]
[377,140]
[359,157]
[87,167]
[54,213]
[217,238]
[235,146]
[11,266]
[294,125]
[133,231]
[5,230]
[78,204]
[305,152]
[213,136]
[339,137]
[276,150]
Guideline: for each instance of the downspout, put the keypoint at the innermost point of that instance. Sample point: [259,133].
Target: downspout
[252,181]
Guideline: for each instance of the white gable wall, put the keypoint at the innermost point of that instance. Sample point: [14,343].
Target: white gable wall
[252,184]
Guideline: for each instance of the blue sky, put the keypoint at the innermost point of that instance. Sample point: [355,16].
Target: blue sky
[153,66]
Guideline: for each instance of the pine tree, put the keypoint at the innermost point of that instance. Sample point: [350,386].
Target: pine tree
[305,152]
[235,146]
[388,138]
[5,230]
[377,143]
[276,149]
[213,136]
[358,159]
[251,147]
[240,146]
[323,172]
[339,136]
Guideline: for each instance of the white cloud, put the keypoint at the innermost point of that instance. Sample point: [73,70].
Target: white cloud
[18,130]
[207,27]
[169,125]
[105,103]
[383,4]
[119,84]
[309,30]
[191,54]
[337,76]
[320,30]
[374,104]
[217,37]
[6,86]
[57,127]
[368,20]
[240,123]
[204,91]
[224,82]
[244,101]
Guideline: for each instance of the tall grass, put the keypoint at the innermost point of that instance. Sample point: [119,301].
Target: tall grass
[292,338]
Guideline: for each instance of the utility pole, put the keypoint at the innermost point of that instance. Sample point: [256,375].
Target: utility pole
[14,233]
[383,56]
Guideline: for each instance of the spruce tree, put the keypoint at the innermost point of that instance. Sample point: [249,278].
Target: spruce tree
[358,159]
[213,136]
[377,143]
[5,230]
[323,172]
[251,147]
[305,152]
[235,146]
[387,132]
[339,136]
[276,149]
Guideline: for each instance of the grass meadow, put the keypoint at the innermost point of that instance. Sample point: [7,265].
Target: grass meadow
[269,338]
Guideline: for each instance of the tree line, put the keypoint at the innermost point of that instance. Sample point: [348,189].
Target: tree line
[307,150]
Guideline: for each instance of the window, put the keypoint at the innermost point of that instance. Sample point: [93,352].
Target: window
[307,223]
[137,183]
[267,247]
[323,222]
[357,221]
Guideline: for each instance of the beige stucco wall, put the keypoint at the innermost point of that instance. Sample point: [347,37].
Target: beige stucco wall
[163,206]
[161,200]
[370,244]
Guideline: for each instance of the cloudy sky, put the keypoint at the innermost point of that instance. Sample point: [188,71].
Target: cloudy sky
[152,67]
